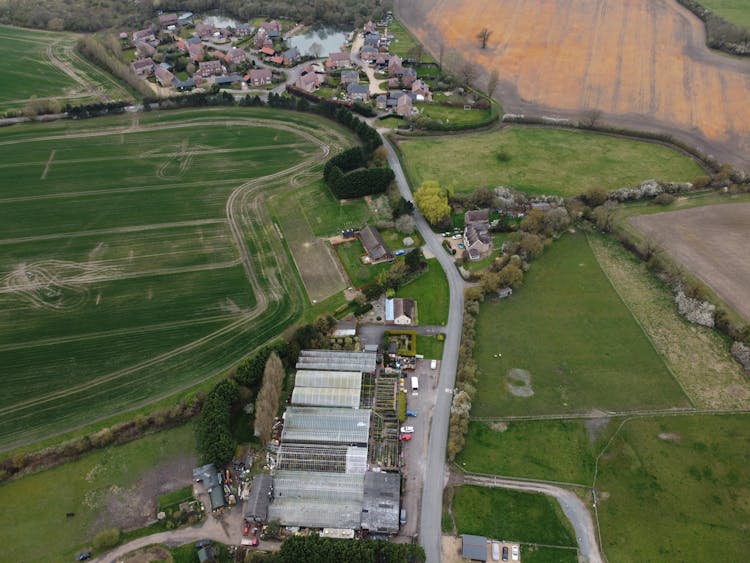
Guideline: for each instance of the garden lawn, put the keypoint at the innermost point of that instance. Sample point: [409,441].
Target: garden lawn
[539,554]
[454,116]
[550,450]
[430,347]
[404,42]
[511,515]
[542,160]
[677,489]
[36,529]
[432,295]
[359,274]
[572,335]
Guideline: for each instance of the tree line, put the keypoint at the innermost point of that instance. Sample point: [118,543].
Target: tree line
[95,15]
[314,549]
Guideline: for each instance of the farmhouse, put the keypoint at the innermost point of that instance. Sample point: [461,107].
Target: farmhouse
[195,51]
[259,77]
[421,90]
[358,92]
[244,30]
[404,106]
[291,56]
[349,77]
[164,77]
[146,35]
[477,236]
[395,67]
[307,82]
[235,56]
[209,68]
[167,20]
[205,31]
[143,67]
[338,60]
[400,311]
[268,51]
[144,50]
[374,244]
[271,28]
[410,75]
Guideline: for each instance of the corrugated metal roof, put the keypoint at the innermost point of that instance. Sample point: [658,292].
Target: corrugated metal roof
[474,547]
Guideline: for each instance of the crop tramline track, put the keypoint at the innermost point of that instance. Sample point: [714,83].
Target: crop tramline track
[267,270]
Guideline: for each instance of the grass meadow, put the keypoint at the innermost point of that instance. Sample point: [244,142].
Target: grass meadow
[504,514]
[579,343]
[122,280]
[541,160]
[88,487]
[404,42]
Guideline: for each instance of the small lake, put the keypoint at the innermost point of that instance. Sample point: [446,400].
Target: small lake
[330,39]
[221,21]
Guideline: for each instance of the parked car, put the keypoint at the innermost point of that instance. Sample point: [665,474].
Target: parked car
[402,517]
[400,252]
[514,553]
[246,530]
[457,237]
[404,437]
[505,553]
[407,429]
[495,551]
[83,556]
[203,543]
[411,413]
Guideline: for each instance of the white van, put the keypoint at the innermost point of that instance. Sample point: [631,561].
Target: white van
[433,364]
[495,551]
[414,385]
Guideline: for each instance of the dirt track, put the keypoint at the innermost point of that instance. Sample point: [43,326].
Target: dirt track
[643,63]
[710,242]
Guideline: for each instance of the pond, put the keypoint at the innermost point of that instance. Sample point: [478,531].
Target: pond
[330,40]
[221,21]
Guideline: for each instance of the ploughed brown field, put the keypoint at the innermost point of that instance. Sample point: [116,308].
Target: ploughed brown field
[712,243]
[643,63]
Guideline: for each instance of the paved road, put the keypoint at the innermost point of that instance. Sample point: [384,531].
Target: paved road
[434,478]
[572,506]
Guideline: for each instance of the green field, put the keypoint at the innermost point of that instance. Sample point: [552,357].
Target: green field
[431,292]
[677,489]
[87,487]
[30,67]
[734,11]
[579,344]
[542,160]
[430,347]
[539,554]
[122,276]
[326,214]
[511,516]
[563,450]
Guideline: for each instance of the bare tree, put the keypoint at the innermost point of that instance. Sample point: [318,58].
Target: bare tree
[417,52]
[267,402]
[492,82]
[591,117]
[484,36]
[468,72]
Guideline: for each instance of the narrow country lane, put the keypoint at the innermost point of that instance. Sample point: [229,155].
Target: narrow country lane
[434,478]
[572,506]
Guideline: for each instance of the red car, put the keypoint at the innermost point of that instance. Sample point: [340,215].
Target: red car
[254,542]
[246,530]
[405,437]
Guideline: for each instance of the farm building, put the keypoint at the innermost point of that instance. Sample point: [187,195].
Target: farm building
[351,460]
[326,425]
[317,499]
[327,388]
[208,475]
[381,502]
[256,507]
[374,244]
[474,547]
[334,360]
[477,237]
[345,327]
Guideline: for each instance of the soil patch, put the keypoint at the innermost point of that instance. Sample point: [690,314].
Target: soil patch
[148,555]
[499,426]
[135,506]
[519,383]
[711,243]
[595,427]
[669,436]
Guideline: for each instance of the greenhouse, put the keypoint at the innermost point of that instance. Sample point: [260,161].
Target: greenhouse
[324,458]
[326,425]
[317,499]
[317,388]
[334,360]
